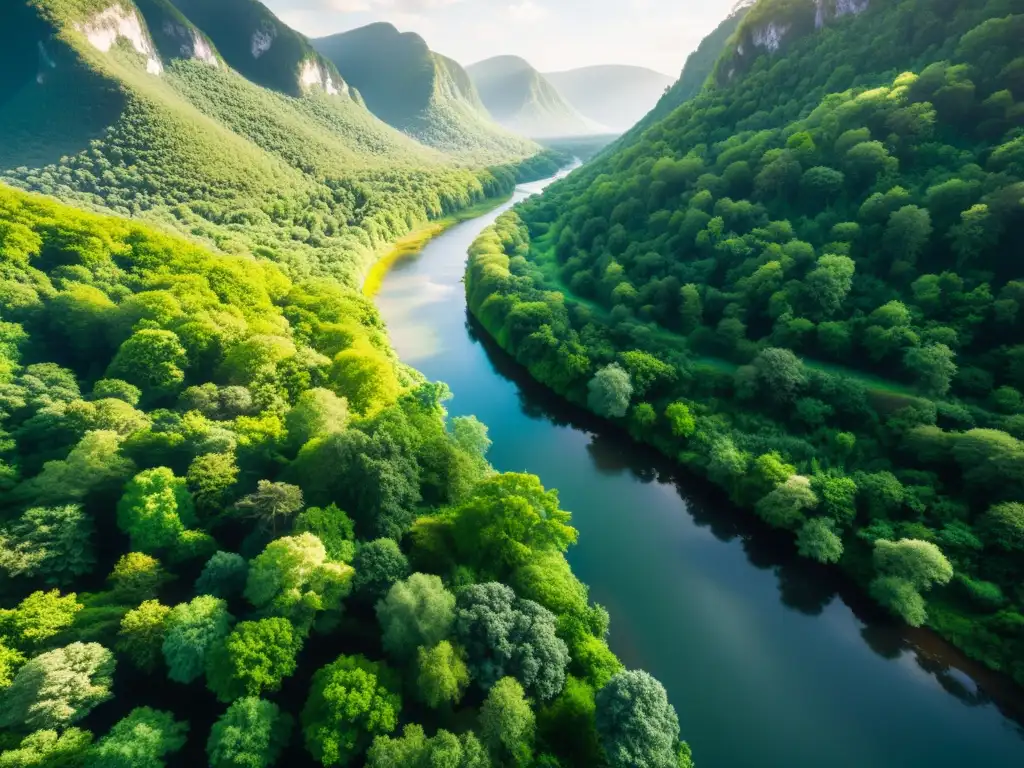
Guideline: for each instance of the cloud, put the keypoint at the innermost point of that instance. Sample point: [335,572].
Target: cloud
[527,11]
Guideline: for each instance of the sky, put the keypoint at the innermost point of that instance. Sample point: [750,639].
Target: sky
[552,35]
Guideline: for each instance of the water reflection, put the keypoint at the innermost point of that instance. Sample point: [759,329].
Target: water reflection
[803,586]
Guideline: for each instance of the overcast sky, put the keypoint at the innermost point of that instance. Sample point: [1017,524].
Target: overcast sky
[551,34]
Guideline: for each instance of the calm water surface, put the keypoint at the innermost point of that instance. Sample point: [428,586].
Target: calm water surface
[770,661]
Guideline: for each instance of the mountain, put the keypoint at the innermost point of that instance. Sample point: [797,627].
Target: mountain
[521,99]
[137,107]
[805,283]
[613,95]
[426,95]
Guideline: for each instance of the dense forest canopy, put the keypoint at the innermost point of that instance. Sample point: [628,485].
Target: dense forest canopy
[234,528]
[805,283]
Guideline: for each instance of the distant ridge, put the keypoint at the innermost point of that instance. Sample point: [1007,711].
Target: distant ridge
[614,95]
[523,100]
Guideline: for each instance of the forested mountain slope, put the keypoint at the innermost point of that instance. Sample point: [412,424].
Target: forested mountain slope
[521,99]
[613,95]
[104,118]
[426,95]
[806,283]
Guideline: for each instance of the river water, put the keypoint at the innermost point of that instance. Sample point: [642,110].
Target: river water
[771,661]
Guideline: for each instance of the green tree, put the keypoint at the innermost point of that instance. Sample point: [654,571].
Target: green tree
[1002,527]
[143,739]
[933,368]
[155,510]
[317,412]
[610,391]
[151,359]
[908,232]
[351,701]
[378,565]
[416,612]
[415,750]
[785,506]
[901,598]
[441,674]
[94,464]
[272,506]
[38,618]
[333,527]
[254,658]
[141,636]
[193,630]
[293,578]
[137,577]
[780,373]
[508,637]
[53,544]
[636,724]
[829,283]
[224,575]
[507,724]
[49,749]
[211,479]
[818,541]
[252,733]
[680,420]
[920,563]
[58,687]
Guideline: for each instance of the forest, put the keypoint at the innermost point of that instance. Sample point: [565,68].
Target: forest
[804,284]
[223,496]
[235,529]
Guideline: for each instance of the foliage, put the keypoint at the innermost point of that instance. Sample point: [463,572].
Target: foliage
[416,612]
[414,750]
[224,575]
[51,543]
[635,722]
[252,733]
[254,658]
[58,688]
[441,674]
[193,630]
[141,636]
[141,740]
[378,564]
[155,510]
[351,701]
[48,749]
[507,724]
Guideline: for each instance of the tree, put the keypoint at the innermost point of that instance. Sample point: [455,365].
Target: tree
[416,612]
[508,637]
[908,232]
[901,598]
[636,724]
[830,282]
[193,630]
[293,578]
[93,464]
[567,724]
[818,541]
[441,674]
[509,519]
[141,636]
[610,391]
[10,661]
[211,479]
[254,658]
[1002,527]
[141,740]
[933,367]
[317,412]
[366,378]
[50,543]
[155,510]
[38,618]
[992,461]
[224,576]
[333,527]
[471,435]
[415,750]
[680,420]
[152,359]
[272,505]
[351,701]
[780,373]
[646,372]
[785,506]
[838,495]
[58,687]
[691,309]
[137,577]
[919,563]
[378,565]
[252,733]
[48,749]
[507,724]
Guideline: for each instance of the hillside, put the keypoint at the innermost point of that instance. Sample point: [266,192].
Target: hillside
[804,283]
[616,96]
[521,99]
[422,93]
[108,118]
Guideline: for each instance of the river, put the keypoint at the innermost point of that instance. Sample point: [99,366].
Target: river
[770,660]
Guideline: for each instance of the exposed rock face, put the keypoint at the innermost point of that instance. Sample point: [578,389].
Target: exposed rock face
[192,45]
[314,75]
[827,10]
[115,23]
[262,39]
[770,36]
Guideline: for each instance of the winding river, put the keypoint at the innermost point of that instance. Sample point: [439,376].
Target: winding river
[771,661]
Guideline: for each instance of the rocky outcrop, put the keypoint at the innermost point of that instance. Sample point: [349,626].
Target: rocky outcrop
[828,10]
[118,23]
[191,44]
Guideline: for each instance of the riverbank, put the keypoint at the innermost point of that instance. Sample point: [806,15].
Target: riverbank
[714,604]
